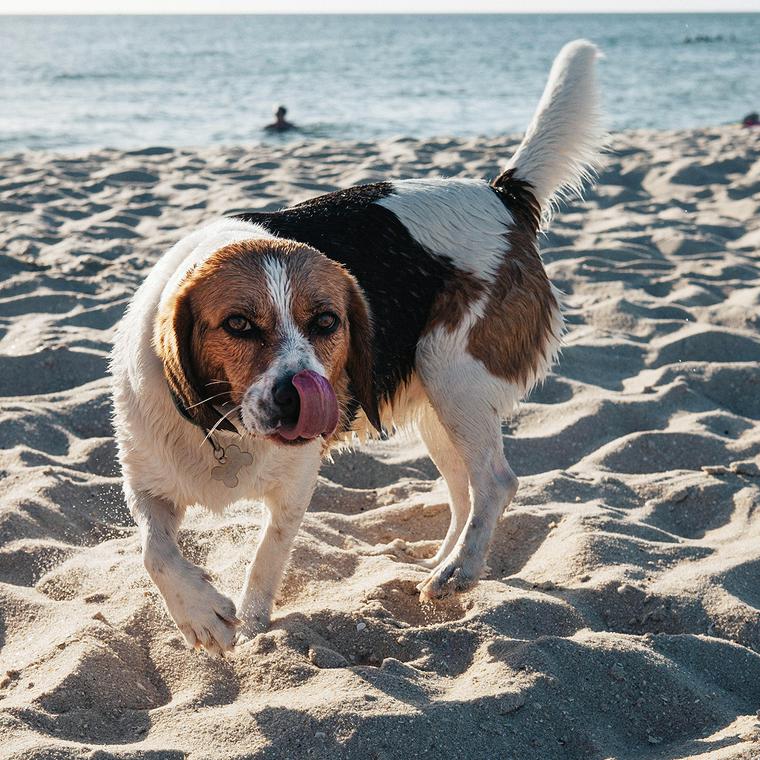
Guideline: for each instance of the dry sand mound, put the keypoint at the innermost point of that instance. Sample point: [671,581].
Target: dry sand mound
[621,614]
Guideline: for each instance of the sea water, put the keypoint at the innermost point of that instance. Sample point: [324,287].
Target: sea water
[122,81]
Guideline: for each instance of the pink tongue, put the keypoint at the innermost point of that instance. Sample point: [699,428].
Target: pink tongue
[318,414]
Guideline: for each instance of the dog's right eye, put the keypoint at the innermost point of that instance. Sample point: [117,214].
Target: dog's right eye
[238,325]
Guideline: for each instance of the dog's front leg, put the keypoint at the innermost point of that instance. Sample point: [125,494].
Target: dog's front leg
[285,507]
[205,617]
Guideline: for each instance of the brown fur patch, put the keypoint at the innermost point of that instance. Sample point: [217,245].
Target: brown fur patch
[174,340]
[453,302]
[512,336]
[511,339]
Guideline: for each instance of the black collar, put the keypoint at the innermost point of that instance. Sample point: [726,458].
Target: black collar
[181,408]
[226,425]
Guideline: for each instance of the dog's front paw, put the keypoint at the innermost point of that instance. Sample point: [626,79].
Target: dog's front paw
[447,579]
[206,618]
[255,619]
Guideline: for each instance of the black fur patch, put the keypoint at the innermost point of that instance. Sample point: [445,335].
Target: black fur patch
[517,197]
[399,277]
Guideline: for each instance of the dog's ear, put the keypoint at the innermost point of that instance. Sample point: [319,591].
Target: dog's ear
[360,364]
[173,341]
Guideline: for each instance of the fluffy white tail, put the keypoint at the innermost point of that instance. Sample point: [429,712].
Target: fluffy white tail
[561,147]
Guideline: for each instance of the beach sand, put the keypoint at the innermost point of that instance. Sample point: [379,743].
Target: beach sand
[620,617]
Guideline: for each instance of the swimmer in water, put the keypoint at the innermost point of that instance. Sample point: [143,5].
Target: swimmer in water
[280,123]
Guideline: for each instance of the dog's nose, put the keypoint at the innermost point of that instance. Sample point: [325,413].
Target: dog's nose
[286,400]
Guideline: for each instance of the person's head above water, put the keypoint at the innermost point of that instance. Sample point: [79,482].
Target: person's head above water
[280,123]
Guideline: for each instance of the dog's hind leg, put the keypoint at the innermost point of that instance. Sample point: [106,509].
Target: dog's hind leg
[468,401]
[446,458]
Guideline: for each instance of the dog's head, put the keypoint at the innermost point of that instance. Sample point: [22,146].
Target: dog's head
[275,328]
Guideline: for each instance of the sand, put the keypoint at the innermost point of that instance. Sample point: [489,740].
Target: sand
[620,617]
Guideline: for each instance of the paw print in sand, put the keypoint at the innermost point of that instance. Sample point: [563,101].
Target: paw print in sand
[231,462]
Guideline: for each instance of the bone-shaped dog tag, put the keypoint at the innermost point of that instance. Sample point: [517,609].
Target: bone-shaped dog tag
[231,461]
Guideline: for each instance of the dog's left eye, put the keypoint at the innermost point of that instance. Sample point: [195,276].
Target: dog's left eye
[325,323]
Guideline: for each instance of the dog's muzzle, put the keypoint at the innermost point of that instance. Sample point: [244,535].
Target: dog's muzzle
[306,405]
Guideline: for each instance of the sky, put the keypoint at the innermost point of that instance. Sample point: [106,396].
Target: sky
[374,6]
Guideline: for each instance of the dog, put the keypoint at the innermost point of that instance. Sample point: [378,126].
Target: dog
[260,342]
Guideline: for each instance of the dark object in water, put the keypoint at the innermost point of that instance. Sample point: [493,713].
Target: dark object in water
[280,123]
[708,38]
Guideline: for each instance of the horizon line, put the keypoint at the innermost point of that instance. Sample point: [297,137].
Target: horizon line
[34,14]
